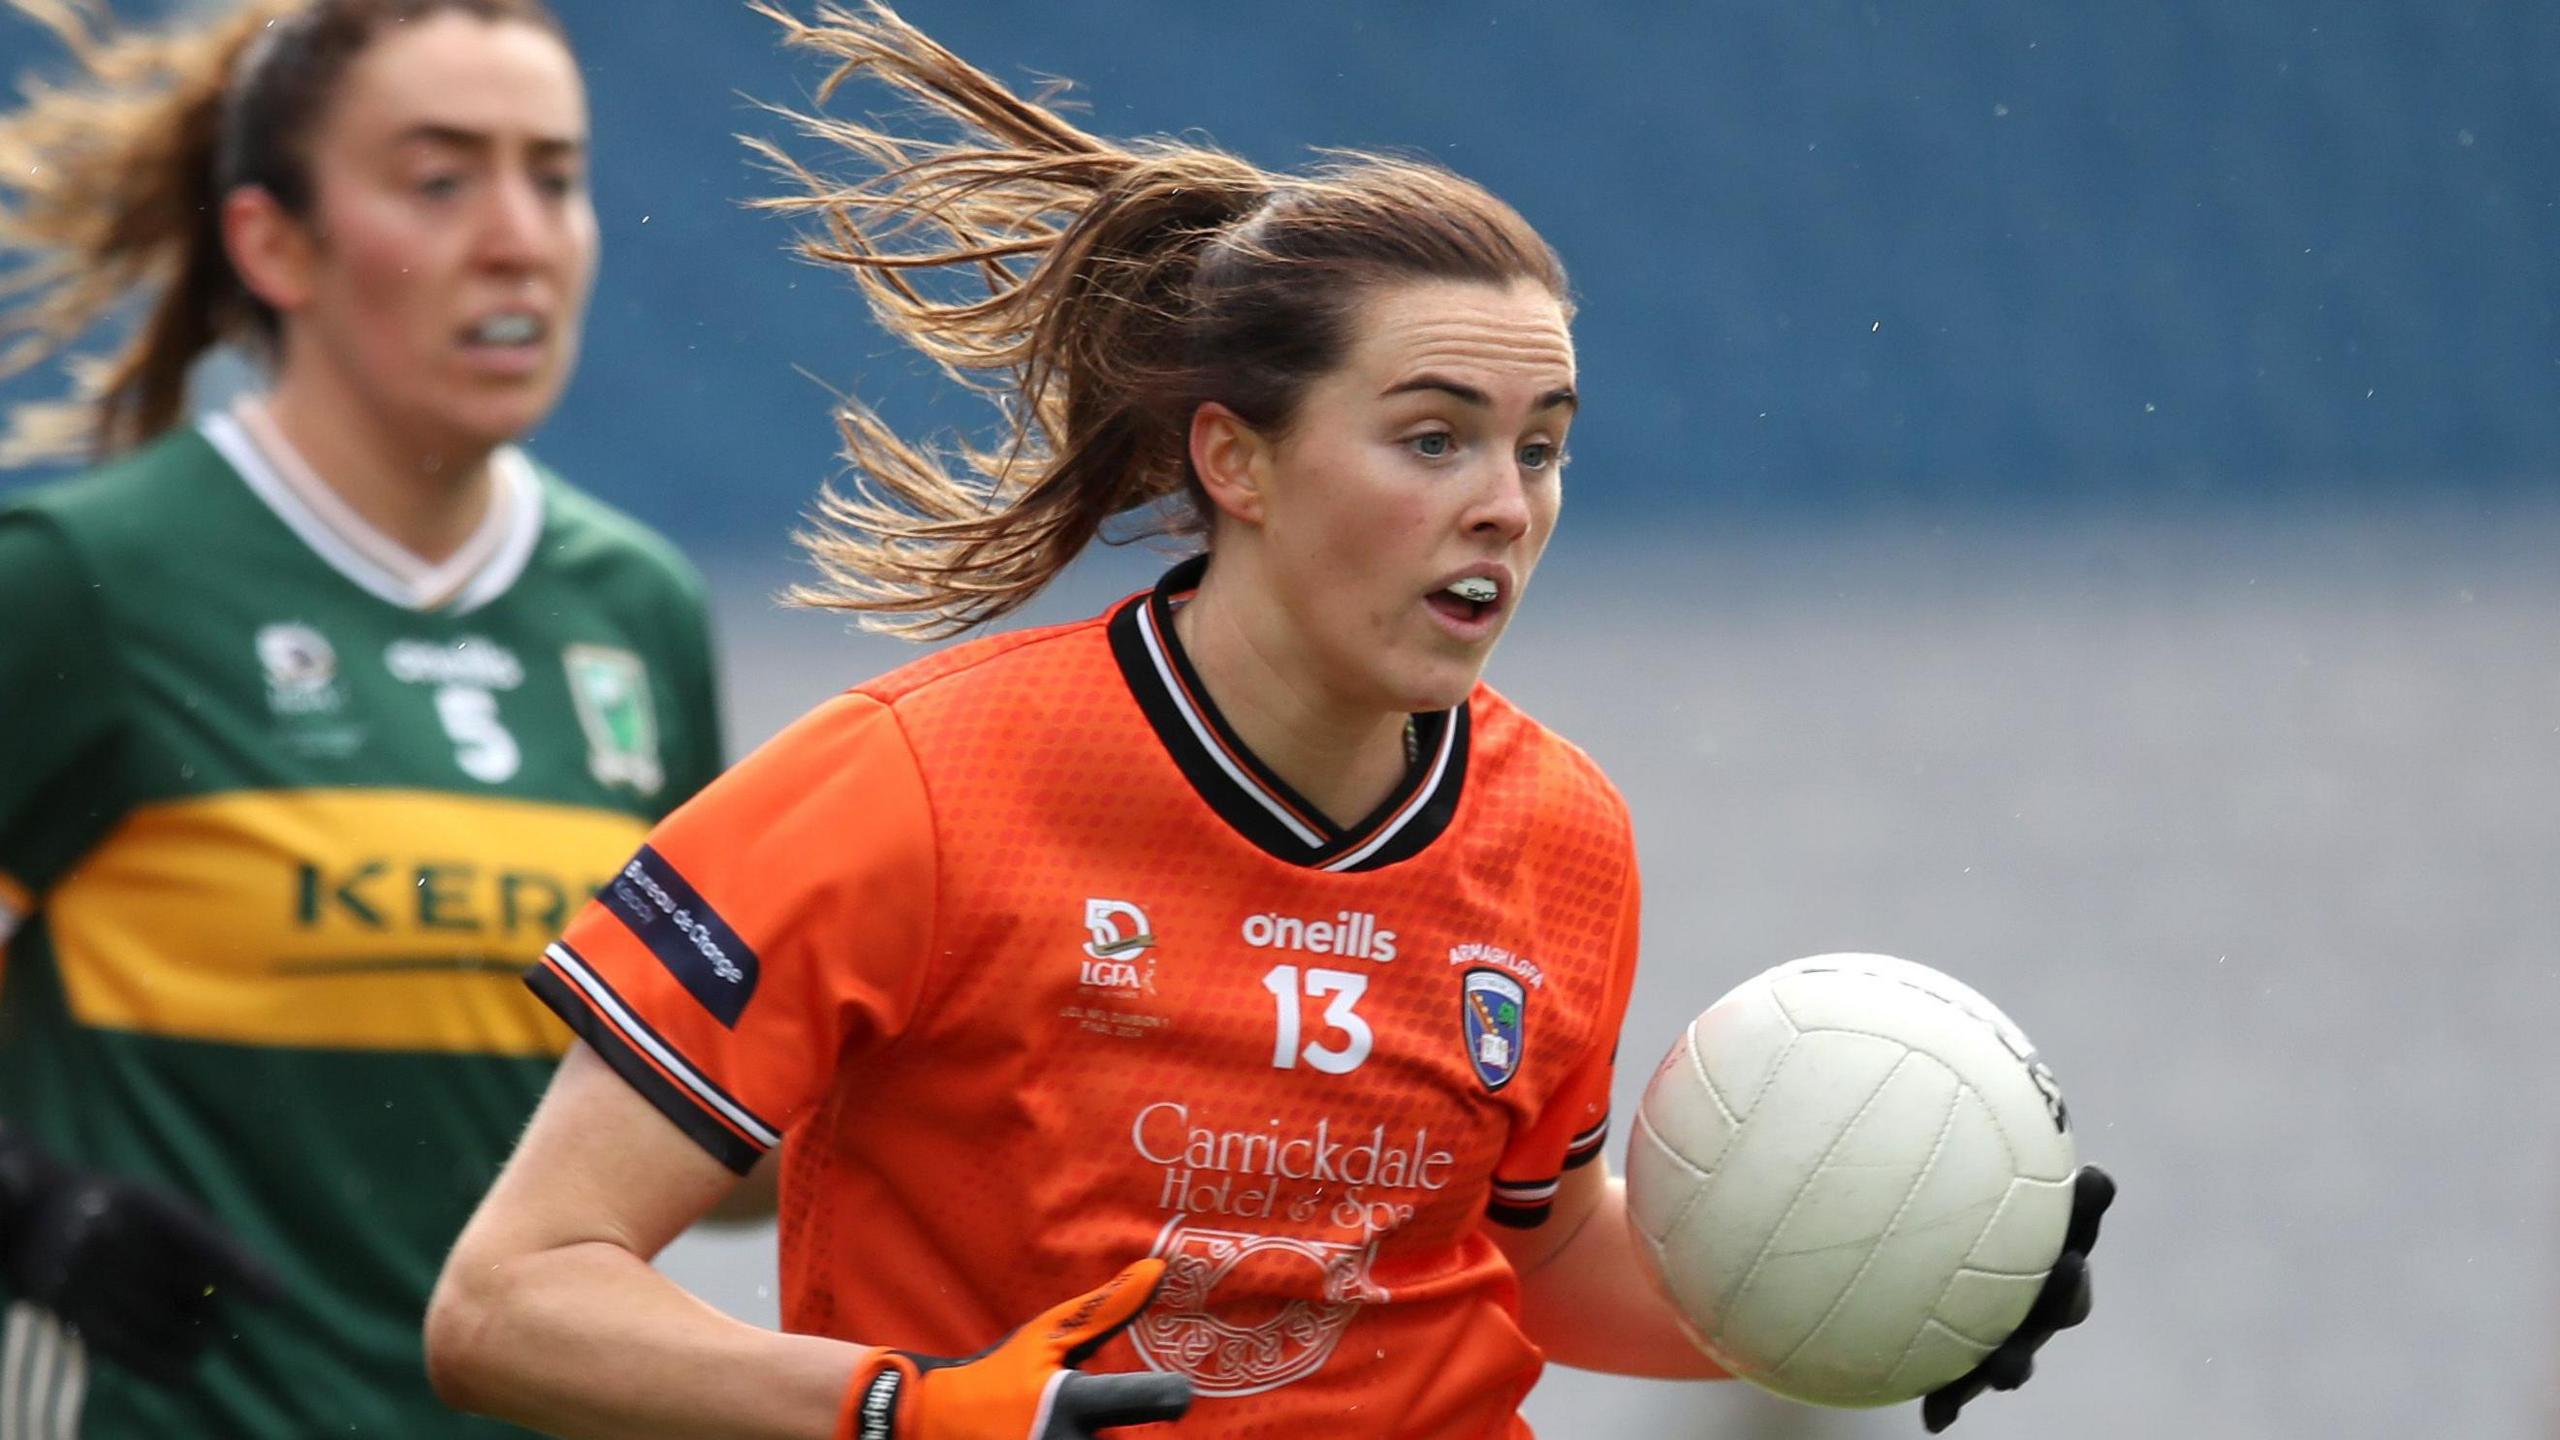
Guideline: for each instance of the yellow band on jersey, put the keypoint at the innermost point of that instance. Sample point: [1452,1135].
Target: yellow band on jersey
[341,919]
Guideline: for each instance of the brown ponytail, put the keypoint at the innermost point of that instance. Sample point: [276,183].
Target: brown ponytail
[1109,291]
[107,187]
[113,185]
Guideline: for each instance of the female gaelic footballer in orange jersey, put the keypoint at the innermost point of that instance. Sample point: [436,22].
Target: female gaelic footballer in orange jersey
[1220,992]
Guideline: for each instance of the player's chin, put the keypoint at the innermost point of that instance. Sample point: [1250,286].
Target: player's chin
[1440,679]
[497,416]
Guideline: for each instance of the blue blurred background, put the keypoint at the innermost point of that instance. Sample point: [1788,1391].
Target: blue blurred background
[2064,493]
[1833,257]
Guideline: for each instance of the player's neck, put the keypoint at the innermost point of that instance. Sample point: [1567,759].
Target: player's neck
[1345,759]
[426,497]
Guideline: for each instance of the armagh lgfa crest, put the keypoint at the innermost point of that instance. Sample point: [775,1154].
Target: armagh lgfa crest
[1490,1013]
[611,688]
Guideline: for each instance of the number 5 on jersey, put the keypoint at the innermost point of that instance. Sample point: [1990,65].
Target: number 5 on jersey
[1340,990]
[482,745]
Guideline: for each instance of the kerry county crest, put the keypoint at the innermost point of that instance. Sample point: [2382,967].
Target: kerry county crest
[611,688]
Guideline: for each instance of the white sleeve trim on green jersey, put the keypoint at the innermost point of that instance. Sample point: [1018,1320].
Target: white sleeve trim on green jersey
[480,571]
[44,1383]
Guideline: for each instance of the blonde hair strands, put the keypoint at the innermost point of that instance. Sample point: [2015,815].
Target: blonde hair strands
[1098,292]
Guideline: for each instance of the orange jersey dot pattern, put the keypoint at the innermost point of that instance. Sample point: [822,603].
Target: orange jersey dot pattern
[1027,1009]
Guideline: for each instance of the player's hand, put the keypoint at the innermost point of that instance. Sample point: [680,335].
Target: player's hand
[141,1275]
[2061,1304]
[1027,1386]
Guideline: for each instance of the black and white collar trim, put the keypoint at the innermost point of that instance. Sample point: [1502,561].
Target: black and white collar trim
[1258,804]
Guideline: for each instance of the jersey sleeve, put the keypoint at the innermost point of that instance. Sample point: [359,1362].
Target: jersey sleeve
[1573,1129]
[771,930]
[58,701]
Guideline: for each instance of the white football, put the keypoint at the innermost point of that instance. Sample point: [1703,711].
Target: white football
[1851,1174]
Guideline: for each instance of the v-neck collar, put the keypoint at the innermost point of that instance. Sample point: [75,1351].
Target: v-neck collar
[480,571]
[1254,802]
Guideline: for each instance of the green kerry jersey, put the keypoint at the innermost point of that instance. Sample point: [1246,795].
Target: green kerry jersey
[284,814]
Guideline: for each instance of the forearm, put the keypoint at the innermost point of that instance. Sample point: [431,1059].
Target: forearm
[587,1341]
[1591,1305]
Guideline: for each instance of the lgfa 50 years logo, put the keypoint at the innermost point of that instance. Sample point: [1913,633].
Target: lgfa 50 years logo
[1120,938]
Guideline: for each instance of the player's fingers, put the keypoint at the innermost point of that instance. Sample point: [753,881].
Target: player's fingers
[208,1253]
[154,1277]
[1082,1325]
[1099,1402]
[234,1273]
[156,1347]
[204,1285]
[2092,1191]
[2010,1366]
[1940,1408]
[2065,1289]
[2076,1307]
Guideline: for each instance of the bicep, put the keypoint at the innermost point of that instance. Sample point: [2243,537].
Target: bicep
[1579,1193]
[1587,1295]
[599,1165]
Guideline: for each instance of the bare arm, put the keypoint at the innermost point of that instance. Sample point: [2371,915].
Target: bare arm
[549,1315]
[1584,1295]
[753,1200]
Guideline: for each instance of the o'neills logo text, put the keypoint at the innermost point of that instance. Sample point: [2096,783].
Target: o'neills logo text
[1354,933]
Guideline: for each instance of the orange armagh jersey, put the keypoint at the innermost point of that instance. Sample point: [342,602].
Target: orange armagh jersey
[1040,972]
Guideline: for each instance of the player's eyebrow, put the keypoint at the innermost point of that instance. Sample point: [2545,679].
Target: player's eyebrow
[1468,394]
[545,147]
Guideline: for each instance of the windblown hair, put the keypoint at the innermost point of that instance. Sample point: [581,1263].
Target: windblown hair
[111,188]
[1099,293]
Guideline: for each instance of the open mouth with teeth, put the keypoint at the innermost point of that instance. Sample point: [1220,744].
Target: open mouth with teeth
[512,329]
[1473,598]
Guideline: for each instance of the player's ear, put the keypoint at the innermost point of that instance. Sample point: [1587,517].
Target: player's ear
[273,251]
[1233,461]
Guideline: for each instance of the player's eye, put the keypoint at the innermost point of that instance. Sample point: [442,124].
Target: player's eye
[440,187]
[1435,445]
[1538,455]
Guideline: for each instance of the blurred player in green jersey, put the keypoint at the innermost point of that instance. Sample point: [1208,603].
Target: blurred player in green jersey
[318,716]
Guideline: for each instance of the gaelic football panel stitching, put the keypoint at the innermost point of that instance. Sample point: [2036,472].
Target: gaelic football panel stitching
[1919,1178]
[1743,1287]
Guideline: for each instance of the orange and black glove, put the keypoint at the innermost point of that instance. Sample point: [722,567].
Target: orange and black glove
[1024,1387]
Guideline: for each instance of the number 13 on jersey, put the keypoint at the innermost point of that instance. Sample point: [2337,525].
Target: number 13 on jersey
[1341,991]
